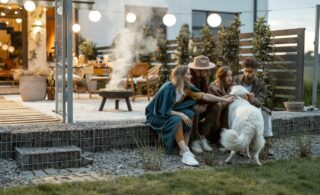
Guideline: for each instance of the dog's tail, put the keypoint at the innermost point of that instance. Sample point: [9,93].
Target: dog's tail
[231,140]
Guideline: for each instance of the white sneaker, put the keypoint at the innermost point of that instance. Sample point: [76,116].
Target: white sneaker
[181,153]
[205,145]
[196,147]
[188,159]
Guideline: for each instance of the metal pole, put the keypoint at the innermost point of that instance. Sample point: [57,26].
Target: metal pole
[315,59]
[64,44]
[69,58]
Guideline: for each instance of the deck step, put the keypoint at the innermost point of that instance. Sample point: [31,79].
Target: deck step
[33,158]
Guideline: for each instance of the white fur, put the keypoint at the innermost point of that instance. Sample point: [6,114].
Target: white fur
[246,126]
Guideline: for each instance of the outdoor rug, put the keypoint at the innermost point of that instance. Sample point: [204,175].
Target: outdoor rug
[13,113]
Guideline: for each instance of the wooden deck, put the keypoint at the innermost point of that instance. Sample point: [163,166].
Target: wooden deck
[13,113]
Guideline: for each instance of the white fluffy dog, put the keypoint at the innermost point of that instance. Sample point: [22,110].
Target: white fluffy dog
[246,126]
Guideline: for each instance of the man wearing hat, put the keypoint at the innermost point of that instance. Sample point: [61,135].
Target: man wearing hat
[200,70]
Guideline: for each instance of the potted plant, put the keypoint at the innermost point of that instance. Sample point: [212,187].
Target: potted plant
[32,84]
[88,48]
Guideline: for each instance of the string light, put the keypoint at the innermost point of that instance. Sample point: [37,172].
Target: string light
[214,20]
[18,20]
[29,6]
[169,19]
[11,49]
[131,17]
[76,28]
[94,16]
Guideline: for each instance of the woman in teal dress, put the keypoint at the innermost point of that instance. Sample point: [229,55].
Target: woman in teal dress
[170,112]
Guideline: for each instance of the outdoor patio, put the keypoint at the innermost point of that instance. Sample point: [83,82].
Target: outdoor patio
[85,109]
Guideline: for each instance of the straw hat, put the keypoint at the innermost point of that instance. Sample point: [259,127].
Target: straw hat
[202,63]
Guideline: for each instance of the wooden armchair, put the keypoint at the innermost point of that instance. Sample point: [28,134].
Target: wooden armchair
[153,78]
[139,70]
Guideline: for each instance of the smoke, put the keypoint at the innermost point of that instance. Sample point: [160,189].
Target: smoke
[130,42]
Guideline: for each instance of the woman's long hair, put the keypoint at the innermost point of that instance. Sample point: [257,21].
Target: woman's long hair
[220,78]
[200,83]
[177,77]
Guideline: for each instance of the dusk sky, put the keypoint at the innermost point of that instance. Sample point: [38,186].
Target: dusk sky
[294,14]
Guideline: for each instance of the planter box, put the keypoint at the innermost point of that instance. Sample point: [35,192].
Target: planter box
[32,88]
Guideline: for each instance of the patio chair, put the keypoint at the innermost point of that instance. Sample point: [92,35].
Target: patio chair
[137,71]
[153,80]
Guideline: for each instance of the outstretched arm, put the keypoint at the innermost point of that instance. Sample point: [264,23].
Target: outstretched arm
[212,98]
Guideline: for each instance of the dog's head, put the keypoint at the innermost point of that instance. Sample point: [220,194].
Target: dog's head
[240,91]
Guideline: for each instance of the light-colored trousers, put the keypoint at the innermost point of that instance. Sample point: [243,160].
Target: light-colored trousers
[267,132]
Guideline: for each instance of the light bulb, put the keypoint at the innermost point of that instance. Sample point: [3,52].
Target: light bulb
[94,16]
[131,17]
[11,49]
[76,28]
[18,20]
[214,20]
[5,47]
[29,6]
[169,19]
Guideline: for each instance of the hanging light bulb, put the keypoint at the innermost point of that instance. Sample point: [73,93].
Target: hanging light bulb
[169,19]
[214,20]
[60,10]
[94,16]
[29,6]
[131,17]
[5,47]
[11,49]
[18,20]
[4,1]
[76,28]
[7,22]
[3,14]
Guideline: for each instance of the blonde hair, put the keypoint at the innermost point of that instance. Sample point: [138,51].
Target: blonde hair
[177,77]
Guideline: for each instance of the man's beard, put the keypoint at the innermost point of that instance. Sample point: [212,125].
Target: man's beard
[249,79]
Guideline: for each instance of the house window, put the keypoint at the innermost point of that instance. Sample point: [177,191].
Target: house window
[199,19]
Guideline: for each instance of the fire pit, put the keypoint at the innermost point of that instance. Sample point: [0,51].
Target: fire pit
[117,95]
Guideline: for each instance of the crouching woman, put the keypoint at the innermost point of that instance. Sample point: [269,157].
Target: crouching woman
[170,112]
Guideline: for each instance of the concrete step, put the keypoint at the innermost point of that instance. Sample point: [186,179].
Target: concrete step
[34,158]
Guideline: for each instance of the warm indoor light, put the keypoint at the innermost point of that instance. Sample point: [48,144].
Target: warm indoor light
[4,1]
[169,19]
[3,14]
[29,6]
[11,49]
[0,43]
[18,20]
[76,28]
[5,47]
[94,16]
[37,26]
[214,20]
[131,17]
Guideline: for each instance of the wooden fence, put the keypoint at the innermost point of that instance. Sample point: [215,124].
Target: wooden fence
[288,60]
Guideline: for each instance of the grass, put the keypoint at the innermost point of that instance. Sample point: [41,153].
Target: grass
[298,176]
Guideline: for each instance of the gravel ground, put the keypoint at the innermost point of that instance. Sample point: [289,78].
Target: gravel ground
[130,162]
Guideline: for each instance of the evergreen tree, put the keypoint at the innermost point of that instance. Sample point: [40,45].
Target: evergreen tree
[229,45]
[182,52]
[208,44]
[161,55]
[262,49]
